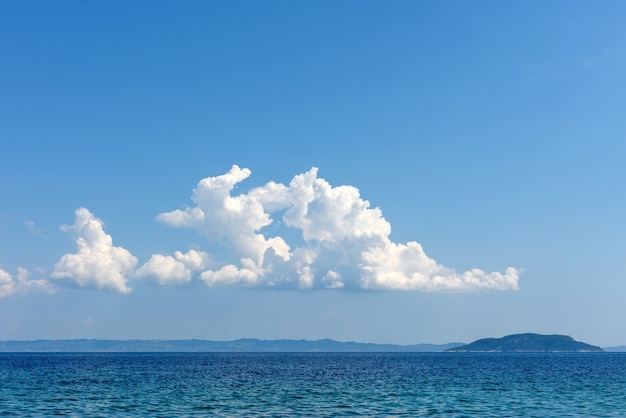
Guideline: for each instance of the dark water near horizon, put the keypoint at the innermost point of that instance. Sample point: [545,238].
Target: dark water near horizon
[312,384]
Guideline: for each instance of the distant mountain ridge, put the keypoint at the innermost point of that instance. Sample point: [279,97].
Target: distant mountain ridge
[240,345]
[527,343]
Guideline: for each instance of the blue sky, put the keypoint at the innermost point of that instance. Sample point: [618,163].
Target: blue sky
[397,172]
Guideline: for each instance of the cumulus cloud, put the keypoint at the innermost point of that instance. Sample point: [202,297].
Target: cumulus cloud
[346,242]
[97,264]
[165,269]
[336,240]
[21,283]
[327,213]
[407,267]
[233,220]
[7,285]
[249,274]
[332,280]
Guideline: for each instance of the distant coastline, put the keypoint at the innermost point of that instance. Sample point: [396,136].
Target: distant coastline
[240,345]
[541,344]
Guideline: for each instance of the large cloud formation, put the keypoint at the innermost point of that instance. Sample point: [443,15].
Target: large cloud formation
[346,242]
[98,263]
[340,243]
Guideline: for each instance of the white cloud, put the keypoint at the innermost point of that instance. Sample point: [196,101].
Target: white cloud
[233,220]
[346,242]
[343,242]
[7,284]
[327,213]
[332,280]
[230,274]
[32,227]
[98,264]
[21,283]
[306,278]
[407,267]
[165,269]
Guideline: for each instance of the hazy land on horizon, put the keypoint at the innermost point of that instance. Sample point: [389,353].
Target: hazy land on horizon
[238,345]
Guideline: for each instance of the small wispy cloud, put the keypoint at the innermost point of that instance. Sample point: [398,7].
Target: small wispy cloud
[32,227]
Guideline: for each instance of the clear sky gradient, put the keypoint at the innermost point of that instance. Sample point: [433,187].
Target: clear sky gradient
[389,172]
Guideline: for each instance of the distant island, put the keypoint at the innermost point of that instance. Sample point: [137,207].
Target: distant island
[527,343]
[186,346]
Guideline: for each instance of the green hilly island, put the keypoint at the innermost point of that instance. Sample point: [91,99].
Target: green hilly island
[527,343]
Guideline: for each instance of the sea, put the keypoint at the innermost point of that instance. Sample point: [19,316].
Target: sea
[313,384]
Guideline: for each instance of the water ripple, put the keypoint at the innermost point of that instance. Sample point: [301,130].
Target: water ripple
[307,384]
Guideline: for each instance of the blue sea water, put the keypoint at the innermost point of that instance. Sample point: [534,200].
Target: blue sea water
[312,384]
